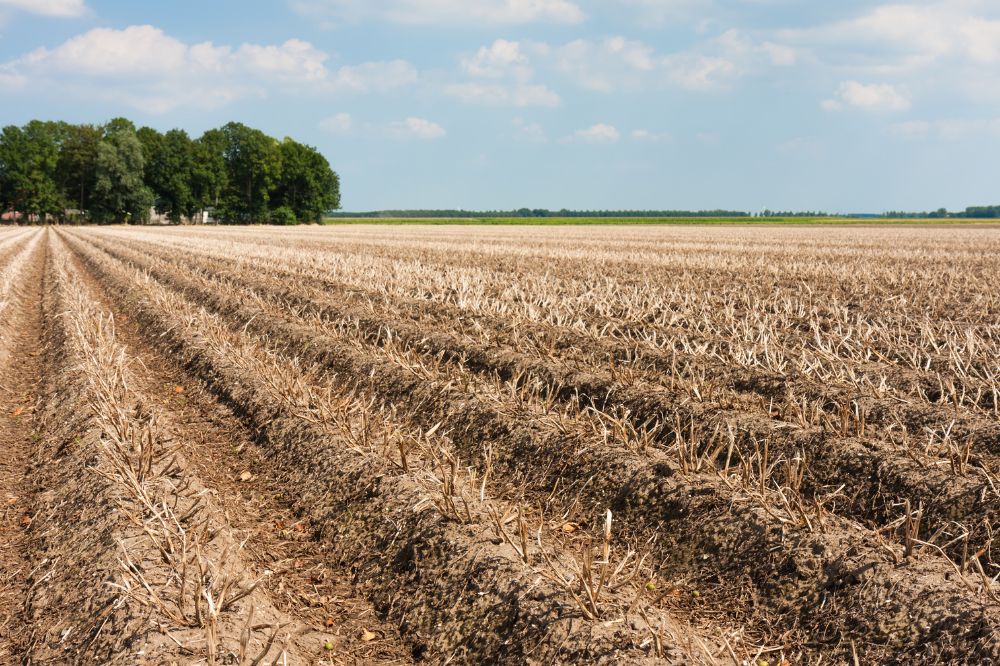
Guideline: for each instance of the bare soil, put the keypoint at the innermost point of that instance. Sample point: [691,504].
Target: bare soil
[449,446]
[21,361]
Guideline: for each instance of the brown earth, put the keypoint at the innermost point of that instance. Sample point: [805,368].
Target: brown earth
[21,360]
[394,446]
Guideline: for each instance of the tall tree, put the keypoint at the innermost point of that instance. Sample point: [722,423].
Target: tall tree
[76,171]
[253,165]
[209,173]
[307,185]
[169,171]
[28,160]
[121,194]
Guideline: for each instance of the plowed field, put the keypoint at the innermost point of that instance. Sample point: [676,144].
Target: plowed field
[464,445]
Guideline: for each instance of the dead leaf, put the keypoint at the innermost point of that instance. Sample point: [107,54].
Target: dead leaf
[17,412]
[569,528]
[329,621]
[26,520]
[368,636]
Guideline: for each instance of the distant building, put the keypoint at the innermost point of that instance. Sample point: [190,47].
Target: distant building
[201,217]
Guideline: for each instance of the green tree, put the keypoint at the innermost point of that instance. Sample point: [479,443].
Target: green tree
[169,171]
[307,185]
[76,171]
[209,173]
[120,193]
[253,166]
[28,160]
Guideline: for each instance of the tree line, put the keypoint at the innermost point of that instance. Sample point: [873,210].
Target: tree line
[115,173]
[535,213]
[971,213]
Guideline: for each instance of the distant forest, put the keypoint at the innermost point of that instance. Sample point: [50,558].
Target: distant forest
[115,173]
[971,213]
[534,212]
[974,212]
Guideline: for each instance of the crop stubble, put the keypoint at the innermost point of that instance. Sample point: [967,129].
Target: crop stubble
[519,445]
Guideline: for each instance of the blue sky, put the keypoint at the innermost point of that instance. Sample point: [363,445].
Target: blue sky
[843,106]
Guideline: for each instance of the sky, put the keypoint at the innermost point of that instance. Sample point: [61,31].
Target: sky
[846,106]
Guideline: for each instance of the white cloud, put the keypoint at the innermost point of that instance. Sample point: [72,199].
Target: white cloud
[293,59]
[907,37]
[140,50]
[499,60]
[617,64]
[634,54]
[508,74]
[54,8]
[446,12]
[599,133]
[416,128]
[518,95]
[341,123]
[699,72]
[145,68]
[601,67]
[870,97]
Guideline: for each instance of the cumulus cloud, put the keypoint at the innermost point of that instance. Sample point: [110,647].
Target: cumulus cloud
[445,12]
[416,128]
[617,63]
[145,68]
[927,30]
[870,97]
[501,59]
[599,133]
[501,75]
[949,48]
[54,8]
[601,66]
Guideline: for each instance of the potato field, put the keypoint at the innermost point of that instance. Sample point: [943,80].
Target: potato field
[463,445]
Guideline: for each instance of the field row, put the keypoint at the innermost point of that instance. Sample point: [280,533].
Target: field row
[681,465]
[403,445]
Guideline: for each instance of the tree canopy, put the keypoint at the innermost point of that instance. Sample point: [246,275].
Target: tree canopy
[117,173]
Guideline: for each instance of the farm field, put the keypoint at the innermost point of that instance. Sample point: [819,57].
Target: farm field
[652,221]
[376,444]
